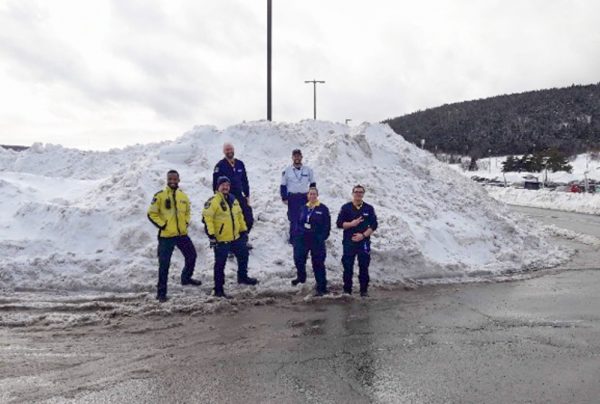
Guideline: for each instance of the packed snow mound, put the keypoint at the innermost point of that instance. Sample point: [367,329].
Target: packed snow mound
[76,220]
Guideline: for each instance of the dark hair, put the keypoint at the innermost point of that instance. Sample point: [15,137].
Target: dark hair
[172,172]
[313,189]
[357,187]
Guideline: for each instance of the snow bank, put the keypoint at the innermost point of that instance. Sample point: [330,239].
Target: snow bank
[567,201]
[75,220]
[491,168]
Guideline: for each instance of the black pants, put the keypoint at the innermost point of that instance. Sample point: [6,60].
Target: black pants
[294,205]
[303,244]
[246,210]
[166,245]
[362,250]
[240,250]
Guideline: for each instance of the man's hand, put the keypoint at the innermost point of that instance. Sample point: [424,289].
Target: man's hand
[213,241]
[356,221]
[356,237]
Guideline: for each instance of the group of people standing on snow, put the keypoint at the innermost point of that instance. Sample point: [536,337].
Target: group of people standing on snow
[228,219]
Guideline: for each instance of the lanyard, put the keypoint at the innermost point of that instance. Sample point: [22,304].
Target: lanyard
[296,175]
[309,214]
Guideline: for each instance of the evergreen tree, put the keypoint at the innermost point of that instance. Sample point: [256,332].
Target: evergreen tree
[510,164]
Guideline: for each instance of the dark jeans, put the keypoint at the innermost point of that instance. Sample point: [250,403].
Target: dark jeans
[362,250]
[166,245]
[295,203]
[240,250]
[246,210]
[303,244]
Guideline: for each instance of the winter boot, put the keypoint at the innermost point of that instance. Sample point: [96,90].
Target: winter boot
[192,282]
[246,280]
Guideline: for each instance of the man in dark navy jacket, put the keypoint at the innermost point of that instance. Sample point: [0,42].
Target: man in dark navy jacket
[359,221]
[235,170]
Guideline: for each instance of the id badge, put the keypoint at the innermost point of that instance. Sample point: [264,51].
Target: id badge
[307,226]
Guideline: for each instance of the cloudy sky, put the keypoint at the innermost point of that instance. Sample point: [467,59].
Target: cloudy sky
[99,73]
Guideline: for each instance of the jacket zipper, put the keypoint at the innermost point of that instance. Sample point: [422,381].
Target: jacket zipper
[176,214]
[232,220]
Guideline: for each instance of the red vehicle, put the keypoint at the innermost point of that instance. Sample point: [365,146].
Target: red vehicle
[575,188]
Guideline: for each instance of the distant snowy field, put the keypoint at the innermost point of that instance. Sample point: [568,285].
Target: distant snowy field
[75,220]
[581,164]
[566,201]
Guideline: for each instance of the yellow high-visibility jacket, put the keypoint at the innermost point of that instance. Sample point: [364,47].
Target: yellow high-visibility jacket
[223,221]
[171,212]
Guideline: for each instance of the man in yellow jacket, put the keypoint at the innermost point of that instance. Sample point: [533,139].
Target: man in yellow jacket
[227,232]
[170,211]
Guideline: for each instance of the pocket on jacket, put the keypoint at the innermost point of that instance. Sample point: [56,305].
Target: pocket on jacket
[221,229]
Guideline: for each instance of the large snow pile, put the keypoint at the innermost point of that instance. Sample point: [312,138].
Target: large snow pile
[76,220]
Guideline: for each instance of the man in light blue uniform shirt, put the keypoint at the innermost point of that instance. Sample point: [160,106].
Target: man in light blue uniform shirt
[295,182]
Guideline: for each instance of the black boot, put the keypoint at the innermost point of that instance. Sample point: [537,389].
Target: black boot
[321,292]
[192,282]
[246,280]
[221,293]
[347,291]
[162,298]
[364,293]
[297,281]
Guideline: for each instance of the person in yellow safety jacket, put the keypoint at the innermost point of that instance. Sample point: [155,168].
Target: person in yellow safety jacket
[170,212]
[227,232]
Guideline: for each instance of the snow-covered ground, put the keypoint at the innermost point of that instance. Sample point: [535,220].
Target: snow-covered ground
[492,169]
[74,220]
[567,201]
[546,199]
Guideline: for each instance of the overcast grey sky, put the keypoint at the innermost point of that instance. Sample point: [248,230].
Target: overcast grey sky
[101,73]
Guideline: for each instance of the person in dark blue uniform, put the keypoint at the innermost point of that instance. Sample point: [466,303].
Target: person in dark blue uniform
[359,221]
[311,231]
[235,170]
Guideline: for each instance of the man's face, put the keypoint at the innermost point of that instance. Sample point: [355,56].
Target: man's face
[173,180]
[297,159]
[224,188]
[228,151]
[358,194]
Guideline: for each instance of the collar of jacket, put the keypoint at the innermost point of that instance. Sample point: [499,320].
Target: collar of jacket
[357,207]
[170,190]
[225,198]
[313,206]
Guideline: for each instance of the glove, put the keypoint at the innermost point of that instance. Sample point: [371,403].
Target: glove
[213,241]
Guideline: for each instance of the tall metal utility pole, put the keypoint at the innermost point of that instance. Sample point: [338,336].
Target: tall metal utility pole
[315,95]
[269,26]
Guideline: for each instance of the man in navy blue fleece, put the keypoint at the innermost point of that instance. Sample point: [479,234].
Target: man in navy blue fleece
[235,170]
[359,221]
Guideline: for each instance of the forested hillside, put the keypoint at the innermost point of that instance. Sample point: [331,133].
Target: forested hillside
[567,119]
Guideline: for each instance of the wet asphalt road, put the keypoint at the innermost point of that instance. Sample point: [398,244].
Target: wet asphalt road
[530,341]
